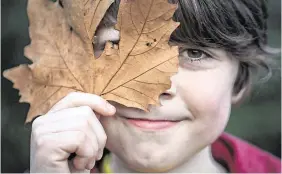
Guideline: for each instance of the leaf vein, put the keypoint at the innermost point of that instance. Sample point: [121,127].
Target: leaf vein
[140,10]
[37,106]
[68,67]
[50,85]
[127,99]
[153,29]
[139,92]
[92,18]
[140,74]
[150,83]
[132,20]
[160,15]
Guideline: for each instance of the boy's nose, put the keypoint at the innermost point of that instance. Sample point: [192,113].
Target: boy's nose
[168,94]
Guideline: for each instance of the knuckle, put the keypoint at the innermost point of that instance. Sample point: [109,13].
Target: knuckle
[36,132]
[42,142]
[101,102]
[87,111]
[34,135]
[83,123]
[34,126]
[81,137]
[37,122]
[95,150]
[104,139]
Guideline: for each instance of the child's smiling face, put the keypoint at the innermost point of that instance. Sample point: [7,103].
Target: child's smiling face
[198,102]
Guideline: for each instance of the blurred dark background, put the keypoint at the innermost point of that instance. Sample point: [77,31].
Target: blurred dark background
[258,121]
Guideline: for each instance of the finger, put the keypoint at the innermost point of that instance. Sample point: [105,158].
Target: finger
[74,170]
[63,115]
[82,163]
[76,119]
[73,119]
[91,164]
[58,146]
[75,124]
[76,99]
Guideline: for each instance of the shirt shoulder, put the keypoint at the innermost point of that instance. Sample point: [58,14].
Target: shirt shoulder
[242,157]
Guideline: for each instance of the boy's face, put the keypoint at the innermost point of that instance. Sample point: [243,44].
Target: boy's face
[199,99]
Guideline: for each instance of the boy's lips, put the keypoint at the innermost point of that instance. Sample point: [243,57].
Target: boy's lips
[151,124]
[155,119]
[153,116]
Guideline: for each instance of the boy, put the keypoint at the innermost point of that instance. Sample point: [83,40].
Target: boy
[220,43]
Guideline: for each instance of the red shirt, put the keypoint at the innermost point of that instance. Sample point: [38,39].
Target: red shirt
[242,157]
[238,156]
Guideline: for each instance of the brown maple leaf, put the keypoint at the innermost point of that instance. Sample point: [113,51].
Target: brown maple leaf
[133,73]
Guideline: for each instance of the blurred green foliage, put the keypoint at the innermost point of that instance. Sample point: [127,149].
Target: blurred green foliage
[258,121]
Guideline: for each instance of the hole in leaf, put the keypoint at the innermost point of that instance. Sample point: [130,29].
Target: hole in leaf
[148,44]
[109,20]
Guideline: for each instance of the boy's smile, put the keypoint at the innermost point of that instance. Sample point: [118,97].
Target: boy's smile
[150,121]
[152,124]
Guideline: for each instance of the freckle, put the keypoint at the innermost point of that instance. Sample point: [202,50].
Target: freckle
[155,40]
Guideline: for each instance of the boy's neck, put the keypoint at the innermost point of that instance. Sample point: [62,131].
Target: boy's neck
[203,162]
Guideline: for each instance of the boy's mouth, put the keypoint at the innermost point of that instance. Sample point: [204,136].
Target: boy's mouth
[154,120]
[151,124]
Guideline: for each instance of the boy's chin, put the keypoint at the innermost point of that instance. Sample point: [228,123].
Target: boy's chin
[152,163]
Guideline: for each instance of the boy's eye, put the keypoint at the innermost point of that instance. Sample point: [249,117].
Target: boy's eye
[194,54]
[194,58]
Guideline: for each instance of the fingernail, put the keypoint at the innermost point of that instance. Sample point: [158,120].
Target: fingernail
[91,165]
[111,108]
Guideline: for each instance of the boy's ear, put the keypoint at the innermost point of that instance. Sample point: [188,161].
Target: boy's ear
[239,96]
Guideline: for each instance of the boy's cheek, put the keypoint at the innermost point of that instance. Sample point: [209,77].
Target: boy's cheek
[206,100]
[211,111]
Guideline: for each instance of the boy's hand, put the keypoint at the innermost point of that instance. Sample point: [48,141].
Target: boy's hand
[71,126]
